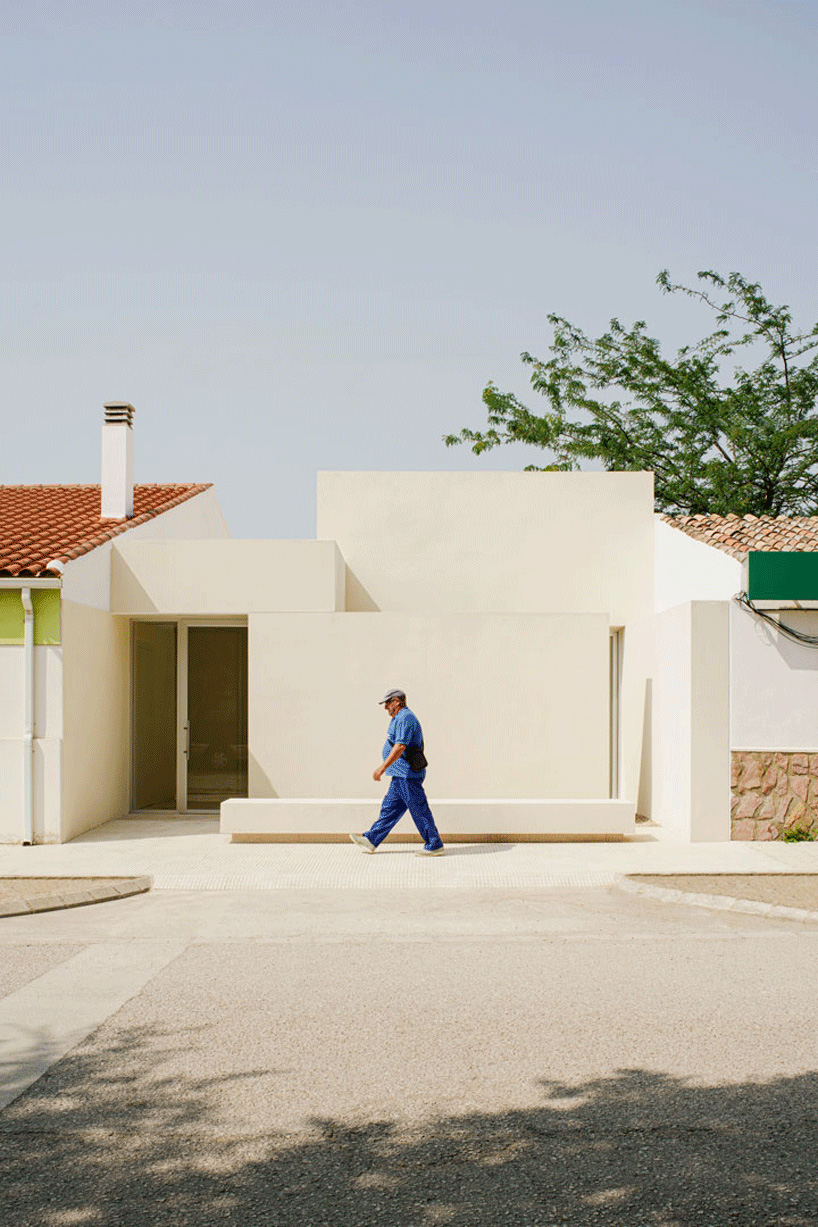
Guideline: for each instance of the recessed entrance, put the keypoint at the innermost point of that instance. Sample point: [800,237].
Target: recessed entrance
[189,715]
[216,715]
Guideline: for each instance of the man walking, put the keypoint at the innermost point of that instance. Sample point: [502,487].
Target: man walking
[404,763]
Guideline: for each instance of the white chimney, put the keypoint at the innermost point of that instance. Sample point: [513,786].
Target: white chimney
[117,460]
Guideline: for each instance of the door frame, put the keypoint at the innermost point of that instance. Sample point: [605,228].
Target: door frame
[615,658]
[182,723]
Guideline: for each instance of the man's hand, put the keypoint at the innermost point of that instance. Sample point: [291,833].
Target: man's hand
[394,755]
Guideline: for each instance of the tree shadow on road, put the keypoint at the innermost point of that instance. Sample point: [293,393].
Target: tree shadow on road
[94,1143]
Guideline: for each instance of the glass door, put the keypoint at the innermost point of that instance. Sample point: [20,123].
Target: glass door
[214,694]
[154,721]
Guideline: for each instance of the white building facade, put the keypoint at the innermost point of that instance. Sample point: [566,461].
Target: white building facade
[575,659]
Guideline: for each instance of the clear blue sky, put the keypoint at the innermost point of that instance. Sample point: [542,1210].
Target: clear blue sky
[303,235]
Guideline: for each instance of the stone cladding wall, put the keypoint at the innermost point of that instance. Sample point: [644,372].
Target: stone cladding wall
[772,791]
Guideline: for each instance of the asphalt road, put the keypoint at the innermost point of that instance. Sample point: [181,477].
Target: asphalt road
[417,1058]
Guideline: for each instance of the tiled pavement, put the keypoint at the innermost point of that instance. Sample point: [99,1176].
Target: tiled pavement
[191,854]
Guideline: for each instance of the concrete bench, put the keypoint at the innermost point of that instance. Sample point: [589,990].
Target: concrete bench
[326,819]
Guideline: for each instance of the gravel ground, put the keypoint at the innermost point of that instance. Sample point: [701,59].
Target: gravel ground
[19,965]
[786,889]
[599,1059]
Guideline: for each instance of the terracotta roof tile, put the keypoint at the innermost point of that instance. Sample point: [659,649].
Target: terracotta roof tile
[43,524]
[737,535]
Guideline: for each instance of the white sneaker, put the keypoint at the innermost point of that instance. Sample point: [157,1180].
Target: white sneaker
[363,842]
[430,852]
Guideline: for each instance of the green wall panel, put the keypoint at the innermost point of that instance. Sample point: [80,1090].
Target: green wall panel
[787,575]
[11,616]
[46,602]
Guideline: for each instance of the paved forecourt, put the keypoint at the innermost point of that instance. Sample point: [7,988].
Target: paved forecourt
[191,854]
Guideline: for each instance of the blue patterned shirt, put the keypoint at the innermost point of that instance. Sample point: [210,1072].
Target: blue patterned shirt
[404,728]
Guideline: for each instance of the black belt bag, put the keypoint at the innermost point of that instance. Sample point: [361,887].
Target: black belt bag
[415,757]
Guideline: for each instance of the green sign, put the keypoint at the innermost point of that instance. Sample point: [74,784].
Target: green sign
[789,575]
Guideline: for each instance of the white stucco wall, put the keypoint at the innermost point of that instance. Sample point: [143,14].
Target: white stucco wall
[47,742]
[774,683]
[511,705]
[482,542]
[12,792]
[12,690]
[96,690]
[689,570]
[87,580]
[186,578]
[691,721]
[11,744]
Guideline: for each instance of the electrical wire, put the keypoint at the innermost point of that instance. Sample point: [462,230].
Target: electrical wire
[810,641]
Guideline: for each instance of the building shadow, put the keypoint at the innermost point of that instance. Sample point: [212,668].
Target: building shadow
[98,1142]
[408,845]
[483,848]
[150,826]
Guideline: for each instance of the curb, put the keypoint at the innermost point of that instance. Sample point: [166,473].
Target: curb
[102,892]
[721,903]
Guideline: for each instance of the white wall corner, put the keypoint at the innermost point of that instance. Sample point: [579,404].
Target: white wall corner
[340,580]
[688,570]
[691,721]
[671,720]
[710,721]
[638,668]
[87,579]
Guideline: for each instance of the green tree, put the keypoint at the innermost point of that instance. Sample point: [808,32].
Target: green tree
[719,438]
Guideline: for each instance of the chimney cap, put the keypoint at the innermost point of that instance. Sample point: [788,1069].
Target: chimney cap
[119,411]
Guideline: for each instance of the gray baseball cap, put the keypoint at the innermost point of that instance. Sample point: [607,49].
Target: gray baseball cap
[392,694]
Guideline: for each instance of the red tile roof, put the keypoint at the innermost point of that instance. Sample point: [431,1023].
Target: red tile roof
[41,524]
[737,535]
